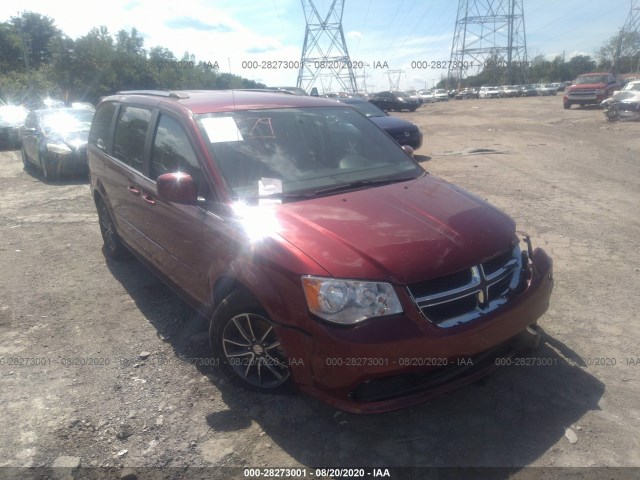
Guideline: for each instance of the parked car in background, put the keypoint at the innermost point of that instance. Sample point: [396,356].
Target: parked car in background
[11,119]
[466,93]
[590,89]
[509,91]
[308,238]
[547,89]
[394,101]
[55,141]
[632,86]
[426,96]
[441,95]
[529,91]
[414,95]
[402,131]
[489,92]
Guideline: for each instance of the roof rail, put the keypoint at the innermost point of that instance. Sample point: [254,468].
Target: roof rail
[157,93]
[265,90]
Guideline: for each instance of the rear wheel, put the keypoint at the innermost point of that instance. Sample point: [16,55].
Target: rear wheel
[112,243]
[245,343]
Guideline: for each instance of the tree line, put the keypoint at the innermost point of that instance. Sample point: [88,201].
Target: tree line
[38,60]
[625,48]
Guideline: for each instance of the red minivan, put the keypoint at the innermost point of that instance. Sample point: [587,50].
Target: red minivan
[323,254]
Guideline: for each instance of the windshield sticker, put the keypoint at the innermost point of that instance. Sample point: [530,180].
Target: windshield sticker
[221,129]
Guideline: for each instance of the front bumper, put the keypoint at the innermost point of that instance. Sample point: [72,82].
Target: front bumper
[69,164]
[584,99]
[414,140]
[394,362]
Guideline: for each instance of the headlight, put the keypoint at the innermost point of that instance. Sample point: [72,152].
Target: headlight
[60,148]
[349,301]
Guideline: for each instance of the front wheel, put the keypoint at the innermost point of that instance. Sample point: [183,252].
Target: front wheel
[47,173]
[246,345]
[25,159]
[567,106]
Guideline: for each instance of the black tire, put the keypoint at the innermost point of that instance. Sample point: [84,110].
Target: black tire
[413,109]
[247,347]
[567,106]
[113,246]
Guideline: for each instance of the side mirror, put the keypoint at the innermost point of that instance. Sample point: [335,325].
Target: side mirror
[314,92]
[408,150]
[177,188]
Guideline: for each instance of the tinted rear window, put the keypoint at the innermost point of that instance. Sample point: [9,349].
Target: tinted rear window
[99,134]
[131,131]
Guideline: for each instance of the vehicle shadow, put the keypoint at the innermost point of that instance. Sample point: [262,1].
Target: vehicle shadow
[66,179]
[508,419]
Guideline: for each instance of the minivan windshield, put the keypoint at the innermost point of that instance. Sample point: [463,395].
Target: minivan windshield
[302,151]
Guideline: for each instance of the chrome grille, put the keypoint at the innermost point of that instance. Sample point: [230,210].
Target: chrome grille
[583,92]
[471,293]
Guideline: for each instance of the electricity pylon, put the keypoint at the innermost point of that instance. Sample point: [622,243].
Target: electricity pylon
[324,51]
[631,27]
[489,34]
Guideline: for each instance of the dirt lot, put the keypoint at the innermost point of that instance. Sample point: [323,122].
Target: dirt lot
[570,179]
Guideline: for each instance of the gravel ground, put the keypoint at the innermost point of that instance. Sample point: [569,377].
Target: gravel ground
[102,365]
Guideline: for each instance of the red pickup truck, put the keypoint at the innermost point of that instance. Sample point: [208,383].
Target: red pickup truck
[590,89]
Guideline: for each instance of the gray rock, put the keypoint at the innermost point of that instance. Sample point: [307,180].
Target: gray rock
[128,474]
[66,462]
[571,435]
[144,355]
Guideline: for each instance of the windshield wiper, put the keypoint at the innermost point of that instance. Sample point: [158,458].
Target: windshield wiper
[361,184]
[281,196]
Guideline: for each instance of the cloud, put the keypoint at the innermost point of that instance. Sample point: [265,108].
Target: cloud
[354,34]
[260,49]
[195,24]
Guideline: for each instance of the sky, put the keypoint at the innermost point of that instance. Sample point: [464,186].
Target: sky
[381,35]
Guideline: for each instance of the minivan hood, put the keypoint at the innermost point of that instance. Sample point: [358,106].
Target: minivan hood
[404,232]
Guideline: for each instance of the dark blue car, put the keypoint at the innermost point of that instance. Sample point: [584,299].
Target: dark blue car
[402,131]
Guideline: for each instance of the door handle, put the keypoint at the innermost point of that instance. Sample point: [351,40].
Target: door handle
[133,190]
[149,199]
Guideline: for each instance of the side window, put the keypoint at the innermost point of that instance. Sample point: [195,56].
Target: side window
[30,121]
[100,126]
[172,152]
[131,130]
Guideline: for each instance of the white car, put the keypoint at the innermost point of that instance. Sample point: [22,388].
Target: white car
[630,87]
[427,96]
[489,92]
[441,95]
